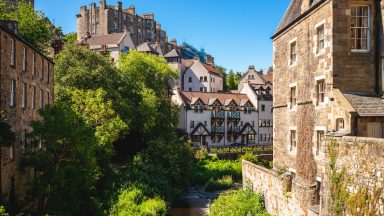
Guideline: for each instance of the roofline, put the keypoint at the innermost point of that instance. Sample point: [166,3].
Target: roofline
[27,43]
[298,18]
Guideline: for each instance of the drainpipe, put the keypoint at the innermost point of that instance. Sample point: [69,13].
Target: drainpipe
[378,37]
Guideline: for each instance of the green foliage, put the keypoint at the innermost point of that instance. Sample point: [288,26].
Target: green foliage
[7,137]
[223,72]
[3,212]
[220,184]
[249,157]
[338,182]
[33,25]
[365,202]
[239,203]
[281,170]
[132,201]
[70,38]
[213,168]
[231,81]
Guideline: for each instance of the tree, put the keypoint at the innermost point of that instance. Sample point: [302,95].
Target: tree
[7,137]
[223,72]
[231,82]
[33,25]
[70,38]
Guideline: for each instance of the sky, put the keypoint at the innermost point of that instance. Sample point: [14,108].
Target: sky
[237,33]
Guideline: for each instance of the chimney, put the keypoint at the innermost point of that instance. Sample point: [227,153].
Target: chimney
[103,4]
[119,6]
[209,59]
[196,58]
[150,16]
[251,67]
[174,41]
[305,5]
[131,9]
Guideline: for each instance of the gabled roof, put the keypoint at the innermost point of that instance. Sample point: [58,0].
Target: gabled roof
[157,47]
[146,47]
[211,101]
[114,38]
[366,104]
[229,101]
[200,130]
[294,14]
[211,69]
[172,54]
[190,97]
[248,129]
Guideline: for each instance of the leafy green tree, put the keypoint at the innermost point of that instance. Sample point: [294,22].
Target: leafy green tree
[33,25]
[70,38]
[231,80]
[7,137]
[223,72]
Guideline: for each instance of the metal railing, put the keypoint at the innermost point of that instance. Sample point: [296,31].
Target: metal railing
[219,129]
[233,129]
[218,115]
[233,115]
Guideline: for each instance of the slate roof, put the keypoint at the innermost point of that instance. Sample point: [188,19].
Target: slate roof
[146,47]
[211,69]
[366,104]
[293,13]
[173,53]
[114,38]
[206,97]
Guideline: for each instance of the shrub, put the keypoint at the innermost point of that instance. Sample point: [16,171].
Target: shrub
[132,201]
[239,203]
[249,157]
[212,168]
[220,184]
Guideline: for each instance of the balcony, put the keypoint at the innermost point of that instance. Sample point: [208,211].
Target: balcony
[218,115]
[233,115]
[233,129]
[219,129]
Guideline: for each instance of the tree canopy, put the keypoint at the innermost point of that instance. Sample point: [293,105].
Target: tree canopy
[33,25]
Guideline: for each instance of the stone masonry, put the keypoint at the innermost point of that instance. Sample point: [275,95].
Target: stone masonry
[36,72]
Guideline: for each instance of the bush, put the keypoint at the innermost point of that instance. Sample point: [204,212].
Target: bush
[223,183]
[213,168]
[132,201]
[239,203]
[249,157]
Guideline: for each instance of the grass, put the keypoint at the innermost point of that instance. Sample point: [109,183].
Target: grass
[223,183]
[239,203]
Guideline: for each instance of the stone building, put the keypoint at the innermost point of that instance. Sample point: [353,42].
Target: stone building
[106,19]
[26,85]
[219,119]
[328,81]
[15,1]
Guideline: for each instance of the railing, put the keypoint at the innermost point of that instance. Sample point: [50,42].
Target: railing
[233,129]
[219,129]
[218,115]
[256,149]
[233,115]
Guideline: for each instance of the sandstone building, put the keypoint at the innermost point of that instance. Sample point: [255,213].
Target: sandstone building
[26,85]
[106,19]
[328,82]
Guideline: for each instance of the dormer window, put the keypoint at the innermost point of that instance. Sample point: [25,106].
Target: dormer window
[247,110]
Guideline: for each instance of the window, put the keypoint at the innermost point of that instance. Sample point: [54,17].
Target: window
[262,108]
[293,99]
[24,58]
[293,53]
[241,123]
[41,99]
[205,123]
[190,79]
[199,108]
[190,89]
[253,123]
[201,89]
[339,124]
[205,79]
[41,68]
[48,76]
[12,93]
[268,123]
[33,95]
[24,96]
[11,153]
[12,52]
[293,140]
[360,25]
[247,110]
[320,38]
[320,91]
[192,124]
[319,141]
[201,79]
[33,64]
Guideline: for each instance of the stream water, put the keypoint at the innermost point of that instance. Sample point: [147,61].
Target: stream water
[195,202]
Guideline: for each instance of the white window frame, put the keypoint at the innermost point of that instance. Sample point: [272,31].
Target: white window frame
[24,58]
[12,93]
[320,39]
[291,106]
[33,96]
[320,93]
[292,143]
[290,61]
[12,60]
[368,29]
[11,152]
[24,96]
[33,64]
[318,145]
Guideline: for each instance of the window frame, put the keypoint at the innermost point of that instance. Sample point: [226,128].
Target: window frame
[320,38]
[24,65]
[293,97]
[292,52]
[12,93]
[293,140]
[367,29]
[320,92]
[12,53]
[33,96]
[24,96]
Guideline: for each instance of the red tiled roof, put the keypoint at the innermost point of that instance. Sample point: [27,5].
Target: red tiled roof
[114,38]
[211,69]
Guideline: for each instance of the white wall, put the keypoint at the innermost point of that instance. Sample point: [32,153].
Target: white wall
[198,70]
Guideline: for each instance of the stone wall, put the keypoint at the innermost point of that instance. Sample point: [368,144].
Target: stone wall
[362,158]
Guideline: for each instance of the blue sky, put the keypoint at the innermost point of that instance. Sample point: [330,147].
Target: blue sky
[236,33]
